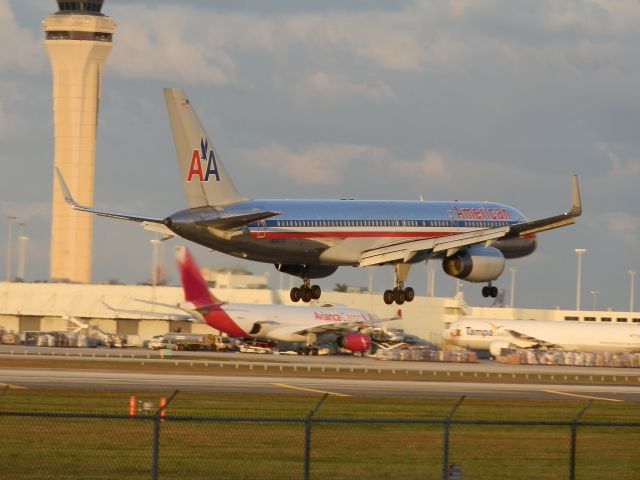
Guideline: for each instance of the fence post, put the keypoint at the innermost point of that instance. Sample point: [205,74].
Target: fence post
[307,436]
[157,418]
[572,450]
[445,440]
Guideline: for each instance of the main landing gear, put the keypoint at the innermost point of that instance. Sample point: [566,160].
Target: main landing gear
[399,294]
[490,291]
[306,292]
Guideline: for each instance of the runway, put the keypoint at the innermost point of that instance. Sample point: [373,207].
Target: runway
[136,381]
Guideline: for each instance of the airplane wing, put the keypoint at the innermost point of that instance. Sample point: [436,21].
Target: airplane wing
[403,251]
[149,313]
[232,222]
[528,341]
[105,213]
[339,327]
[159,225]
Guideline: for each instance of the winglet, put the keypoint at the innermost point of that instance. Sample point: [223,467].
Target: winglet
[65,190]
[576,203]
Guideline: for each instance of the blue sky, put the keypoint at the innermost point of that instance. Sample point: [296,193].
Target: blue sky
[477,100]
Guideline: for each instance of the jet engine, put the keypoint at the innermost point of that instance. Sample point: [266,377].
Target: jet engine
[311,271]
[475,264]
[356,342]
[496,347]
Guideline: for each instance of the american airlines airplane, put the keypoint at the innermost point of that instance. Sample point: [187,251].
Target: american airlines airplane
[280,323]
[494,335]
[312,238]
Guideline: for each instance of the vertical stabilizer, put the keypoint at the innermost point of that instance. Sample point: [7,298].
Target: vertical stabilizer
[194,285]
[204,178]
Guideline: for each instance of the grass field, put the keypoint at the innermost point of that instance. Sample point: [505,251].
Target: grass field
[217,445]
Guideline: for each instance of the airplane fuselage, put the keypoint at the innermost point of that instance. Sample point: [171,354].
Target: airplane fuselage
[587,337]
[282,323]
[336,232]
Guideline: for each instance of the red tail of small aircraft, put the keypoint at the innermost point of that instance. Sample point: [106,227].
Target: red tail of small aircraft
[194,285]
[197,293]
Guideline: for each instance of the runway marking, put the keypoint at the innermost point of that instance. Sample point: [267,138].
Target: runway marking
[583,396]
[284,385]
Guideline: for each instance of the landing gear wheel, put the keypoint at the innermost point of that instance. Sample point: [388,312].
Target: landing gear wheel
[316,291]
[295,294]
[388,297]
[409,294]
[486,291]
[493,293]
[305,294]
[398,295]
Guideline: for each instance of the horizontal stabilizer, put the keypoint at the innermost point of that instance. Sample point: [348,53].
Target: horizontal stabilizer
[232,222]
[103,213]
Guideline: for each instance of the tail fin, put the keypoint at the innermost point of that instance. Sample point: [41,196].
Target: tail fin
[205,180]
[194,285]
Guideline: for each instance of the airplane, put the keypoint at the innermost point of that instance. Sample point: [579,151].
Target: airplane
[494,335]
[310,239]
[280,323]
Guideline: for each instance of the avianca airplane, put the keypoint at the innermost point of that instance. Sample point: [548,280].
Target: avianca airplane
[494,335]
[284,323]
[312,238]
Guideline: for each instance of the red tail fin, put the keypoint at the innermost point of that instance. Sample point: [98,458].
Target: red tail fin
[194,285]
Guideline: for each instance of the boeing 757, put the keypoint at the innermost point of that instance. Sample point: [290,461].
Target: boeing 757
[494,335]
[312,238]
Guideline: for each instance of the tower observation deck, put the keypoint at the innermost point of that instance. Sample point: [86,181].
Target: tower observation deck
[78,39]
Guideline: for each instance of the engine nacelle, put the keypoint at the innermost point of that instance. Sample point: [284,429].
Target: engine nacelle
[356,342]
[496,347]
[314,271]
[475,264]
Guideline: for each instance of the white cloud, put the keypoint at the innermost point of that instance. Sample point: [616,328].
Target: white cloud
[430,169]
[19,48]
[4,122]
[202,46]
[623,226]
[325,86]
[167,46]
[26,211]
[620,167]
[319,165]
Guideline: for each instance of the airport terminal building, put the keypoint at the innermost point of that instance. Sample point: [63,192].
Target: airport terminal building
[121,309]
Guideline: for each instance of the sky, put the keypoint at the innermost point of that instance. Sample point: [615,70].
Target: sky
[452,99]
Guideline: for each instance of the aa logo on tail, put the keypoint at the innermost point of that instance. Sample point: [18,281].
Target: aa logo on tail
[203,163]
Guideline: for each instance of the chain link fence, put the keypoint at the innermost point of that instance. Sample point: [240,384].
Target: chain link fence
[43,445]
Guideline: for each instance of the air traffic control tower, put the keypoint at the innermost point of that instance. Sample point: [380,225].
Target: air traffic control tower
[78,39]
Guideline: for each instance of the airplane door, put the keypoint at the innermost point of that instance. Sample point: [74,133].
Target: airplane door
[262,229]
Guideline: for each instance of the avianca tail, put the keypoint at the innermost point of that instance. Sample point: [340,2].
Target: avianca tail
[494,335]
[312,238]
[284,323]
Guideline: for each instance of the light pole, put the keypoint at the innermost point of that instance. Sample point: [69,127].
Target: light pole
[632,275]
[432,282]
[595,296]
[155,244]
[579,252]
[22,247]
[513,285]
[10,220]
